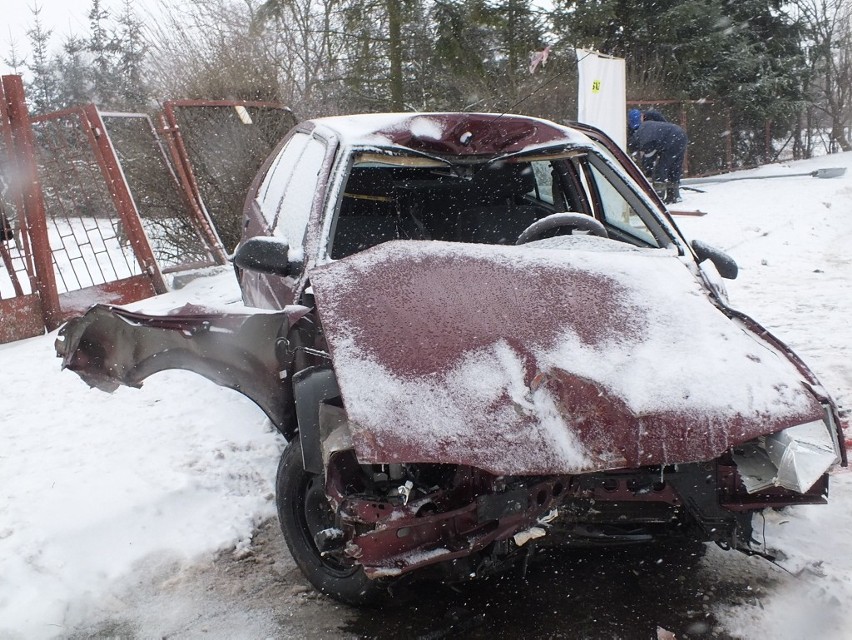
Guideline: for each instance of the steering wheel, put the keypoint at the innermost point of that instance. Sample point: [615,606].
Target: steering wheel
[569,220]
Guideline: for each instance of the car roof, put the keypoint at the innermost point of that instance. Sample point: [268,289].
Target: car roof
[456,134]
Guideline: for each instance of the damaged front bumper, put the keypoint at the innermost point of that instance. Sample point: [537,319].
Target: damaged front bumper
[477,523]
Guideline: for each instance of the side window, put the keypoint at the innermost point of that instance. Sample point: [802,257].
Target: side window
[617,211]
[295,207]
[279,177]
[543,172]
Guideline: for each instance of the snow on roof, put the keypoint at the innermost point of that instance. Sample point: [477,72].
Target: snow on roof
[447,133]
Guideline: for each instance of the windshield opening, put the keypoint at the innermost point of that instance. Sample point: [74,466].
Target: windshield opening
[392,196]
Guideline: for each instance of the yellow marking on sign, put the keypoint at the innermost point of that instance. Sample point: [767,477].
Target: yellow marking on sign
[596,86]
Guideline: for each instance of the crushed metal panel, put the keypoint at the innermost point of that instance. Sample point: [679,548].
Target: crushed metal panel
[128,290]
[575,360]
[110,346]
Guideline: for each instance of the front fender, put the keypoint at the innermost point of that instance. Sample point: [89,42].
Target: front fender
[109,346]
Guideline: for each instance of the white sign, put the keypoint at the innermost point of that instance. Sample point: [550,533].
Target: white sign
[602,94]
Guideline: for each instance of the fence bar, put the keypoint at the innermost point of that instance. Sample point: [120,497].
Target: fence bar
[189,185]
[33,210]
[24,250]
[123,200]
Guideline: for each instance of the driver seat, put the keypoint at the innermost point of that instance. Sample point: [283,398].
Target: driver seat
[496,224]
[498,218]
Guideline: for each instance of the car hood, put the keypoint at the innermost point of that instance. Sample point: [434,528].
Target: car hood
[563,356]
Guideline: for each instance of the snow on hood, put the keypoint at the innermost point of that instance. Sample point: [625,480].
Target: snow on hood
[530,359]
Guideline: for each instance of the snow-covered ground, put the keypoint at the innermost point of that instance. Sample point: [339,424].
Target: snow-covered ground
[97,487]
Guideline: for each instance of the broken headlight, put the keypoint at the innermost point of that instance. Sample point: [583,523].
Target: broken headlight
[794,458]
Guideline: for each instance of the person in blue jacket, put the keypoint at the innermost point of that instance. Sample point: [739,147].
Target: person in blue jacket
[661,147]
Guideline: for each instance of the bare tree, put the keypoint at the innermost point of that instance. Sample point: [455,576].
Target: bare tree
[209,49]
[828,25]
[285,51]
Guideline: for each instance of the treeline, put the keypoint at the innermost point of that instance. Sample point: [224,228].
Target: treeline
[780,70]
[108,65]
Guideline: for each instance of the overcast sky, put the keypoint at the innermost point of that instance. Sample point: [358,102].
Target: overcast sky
[63,17]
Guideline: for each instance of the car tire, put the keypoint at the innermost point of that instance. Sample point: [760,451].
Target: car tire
[303,511]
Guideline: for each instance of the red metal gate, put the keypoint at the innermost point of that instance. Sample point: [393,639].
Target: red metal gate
[181,236]
[217,147]
[99,248]
[93,211]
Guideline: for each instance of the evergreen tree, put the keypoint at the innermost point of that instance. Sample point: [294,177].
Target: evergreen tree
[42,90]
[101,45]
[73,74]
[484,48]
[743,54]
[130,50]
[13,60]
[374,83]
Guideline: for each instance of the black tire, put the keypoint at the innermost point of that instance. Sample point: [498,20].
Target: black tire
[303,511]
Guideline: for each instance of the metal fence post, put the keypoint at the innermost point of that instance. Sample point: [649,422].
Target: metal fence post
[33,199]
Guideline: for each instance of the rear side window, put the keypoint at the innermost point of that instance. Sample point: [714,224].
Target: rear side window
[279,177]
[287,192]
[294,210]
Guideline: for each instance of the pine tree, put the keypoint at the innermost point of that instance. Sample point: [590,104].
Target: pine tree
[42,89]
[101,45]
[130,50]
[744,55]
[13,60]
[73,74]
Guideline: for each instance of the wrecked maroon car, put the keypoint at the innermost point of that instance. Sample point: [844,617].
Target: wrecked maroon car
[481,336]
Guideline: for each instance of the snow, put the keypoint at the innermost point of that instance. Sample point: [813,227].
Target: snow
[96,485]
[367,128]
[99,487]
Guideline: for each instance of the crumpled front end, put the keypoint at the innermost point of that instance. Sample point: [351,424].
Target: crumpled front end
[502,398]
[463,522]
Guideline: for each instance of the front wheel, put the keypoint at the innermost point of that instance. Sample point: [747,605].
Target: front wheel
[304,511]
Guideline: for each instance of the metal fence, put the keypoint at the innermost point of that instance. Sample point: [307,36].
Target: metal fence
[28,298]
[96,207]
[99,249]
[180,238]
[219,147]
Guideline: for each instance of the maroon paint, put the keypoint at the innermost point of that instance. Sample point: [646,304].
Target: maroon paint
[474,134]
[420,313]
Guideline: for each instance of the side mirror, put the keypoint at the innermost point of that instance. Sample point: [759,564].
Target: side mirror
[264,254]
[725,264]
